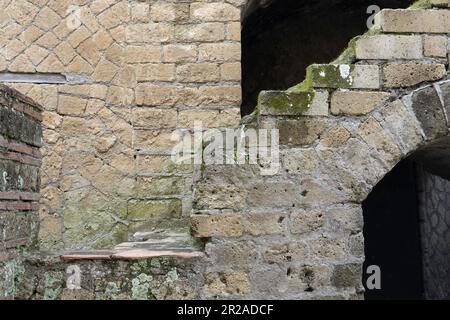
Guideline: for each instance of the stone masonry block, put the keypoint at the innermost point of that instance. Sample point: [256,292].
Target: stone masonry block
[429,111]
[264,223]
[300,132]
[386,47]
[219,225]
[345,76]
[410,74]
[435,46]
[417,21]
[294,103]
[440,3]
[355,103]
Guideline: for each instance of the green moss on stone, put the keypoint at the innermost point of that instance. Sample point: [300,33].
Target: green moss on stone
[421,4]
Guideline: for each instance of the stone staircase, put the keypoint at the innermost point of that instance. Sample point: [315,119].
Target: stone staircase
[298,234]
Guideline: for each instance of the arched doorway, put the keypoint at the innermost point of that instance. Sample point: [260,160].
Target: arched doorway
[407,227]
[280,38]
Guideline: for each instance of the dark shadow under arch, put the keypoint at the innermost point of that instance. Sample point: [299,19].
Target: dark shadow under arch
[407,227]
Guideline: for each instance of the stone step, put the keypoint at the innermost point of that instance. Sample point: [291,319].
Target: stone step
[414,21]
[441,3]
[144,245]
[308,103]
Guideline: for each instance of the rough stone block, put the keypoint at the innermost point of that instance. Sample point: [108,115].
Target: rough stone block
[146,187]
[214,12]
[410,74]
[415,21]
[307,221]
[429,111]
[225,196]
[435,46]
[345,76]
[402,124]
[257,224]
[294,103]
[141,210]
[356,103]
[226,284]
[220,225]
[373,134]
[300,132]
[347,275]
[274,194]
[387,47]
[286,252]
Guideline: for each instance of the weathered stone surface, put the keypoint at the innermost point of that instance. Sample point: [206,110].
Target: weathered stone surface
[220,196]
[301,131]
[387,47]
[148,209]
[345,76]
[286,252]
[410,74]
[294,103]
[346,275]
[417,21]
[307,221]
[402,124]
[274,194]
[429,111]
[257,224]
[356,103]
[226,284]
[220,225]
[435,46]
[373,134]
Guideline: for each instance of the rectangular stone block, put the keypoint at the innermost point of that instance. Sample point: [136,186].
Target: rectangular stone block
[214,12]
[148,163]
[147,187]
[294,103]
[219,225]
[410,74]
[209,118]
[300,132]
[345,76]
[155,140]
[440,3]
[141,210]
[356,103]
[435,46]
[415,21]
[387,47]
[153,118]
[201,32]
[265,223]
[219,196]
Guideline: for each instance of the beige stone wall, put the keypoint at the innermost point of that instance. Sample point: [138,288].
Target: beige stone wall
[135,71]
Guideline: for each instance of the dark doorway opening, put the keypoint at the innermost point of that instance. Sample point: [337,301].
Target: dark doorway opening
[407,228]
[280,38]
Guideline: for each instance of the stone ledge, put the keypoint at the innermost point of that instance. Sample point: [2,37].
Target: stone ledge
[136,251]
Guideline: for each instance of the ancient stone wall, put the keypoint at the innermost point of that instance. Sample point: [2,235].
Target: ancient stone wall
[116,77]
[298,233]
[294,234]
[20,160]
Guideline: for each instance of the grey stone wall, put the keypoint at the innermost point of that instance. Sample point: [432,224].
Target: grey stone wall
[434,199]
[20,140]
